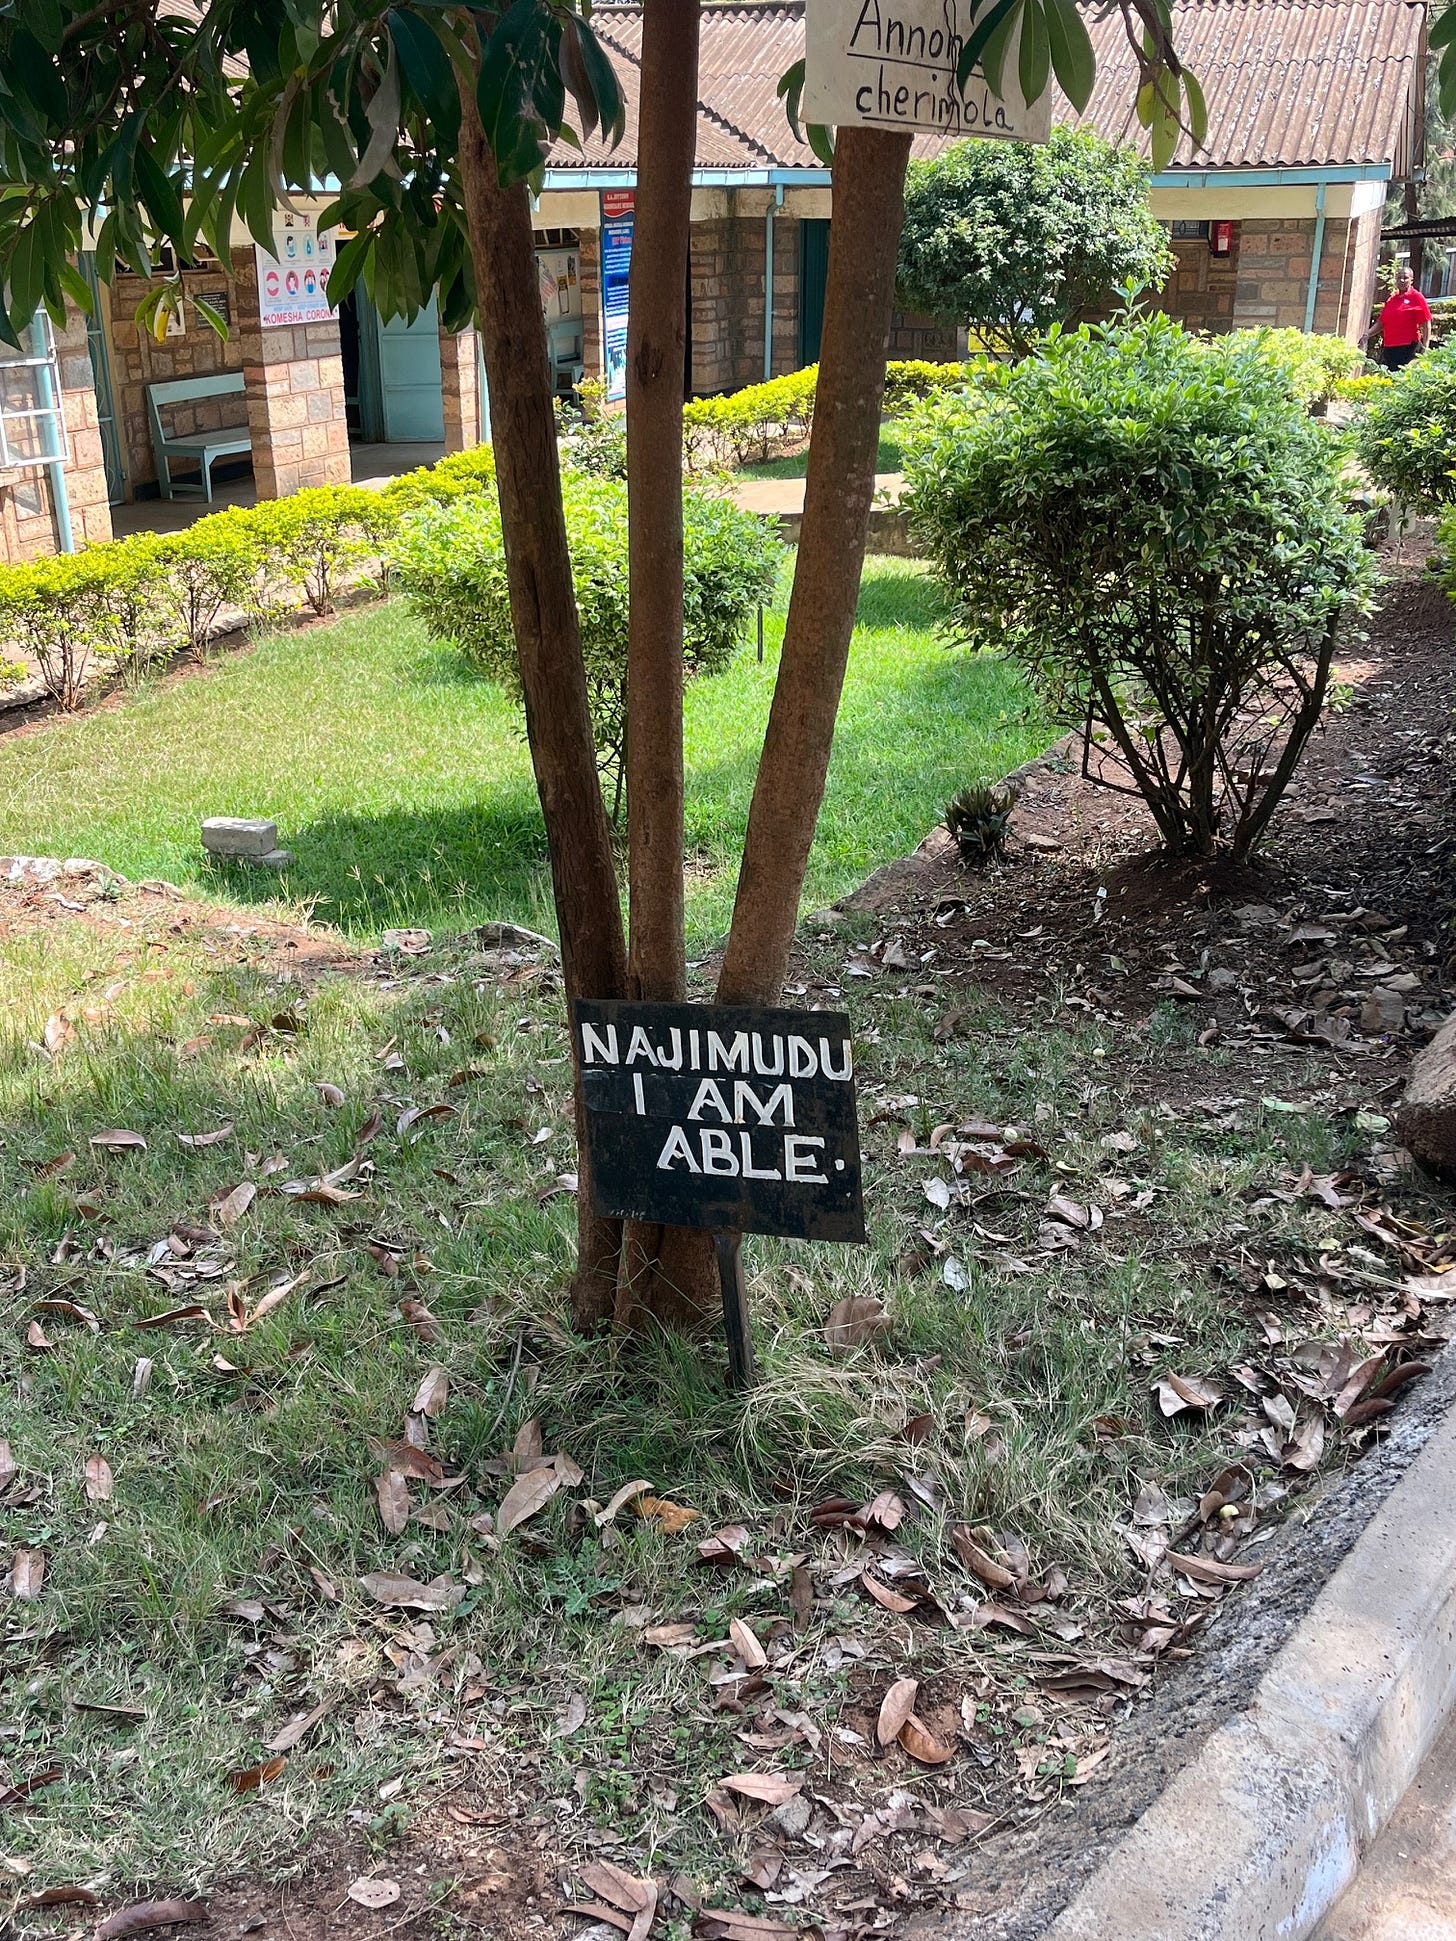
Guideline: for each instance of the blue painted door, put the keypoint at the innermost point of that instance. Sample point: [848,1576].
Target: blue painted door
[409,379]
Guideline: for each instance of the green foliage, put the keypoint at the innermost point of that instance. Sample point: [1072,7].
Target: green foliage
[1363,388]
[450,562]
[979,818]
[1010,238]
[752,423]
[133,601]
[1156,530]
[910,379]
[314,536]
[1407,442]
[1316,366]
[594,443]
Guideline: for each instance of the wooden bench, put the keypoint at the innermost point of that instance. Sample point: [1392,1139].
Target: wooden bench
[202,448]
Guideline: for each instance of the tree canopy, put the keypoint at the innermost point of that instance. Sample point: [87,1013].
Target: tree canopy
[1010,237]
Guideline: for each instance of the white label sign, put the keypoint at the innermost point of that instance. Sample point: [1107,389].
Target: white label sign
[892,64]
[291,282]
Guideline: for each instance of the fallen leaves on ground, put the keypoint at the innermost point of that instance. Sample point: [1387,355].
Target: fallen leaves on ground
[854,1321]
[408,1594]
[373,1891]
[895,1708]
[143,1915]
[770,1788]
[247,1779]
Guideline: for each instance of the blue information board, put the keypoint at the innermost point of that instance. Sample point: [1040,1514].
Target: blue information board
[617,222]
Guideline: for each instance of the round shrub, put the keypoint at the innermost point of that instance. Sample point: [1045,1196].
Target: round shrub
[1316,366]
[1155,528]
[450,562]
[1407,442]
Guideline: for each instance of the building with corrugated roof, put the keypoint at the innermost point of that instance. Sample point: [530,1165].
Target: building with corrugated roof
[1315,109]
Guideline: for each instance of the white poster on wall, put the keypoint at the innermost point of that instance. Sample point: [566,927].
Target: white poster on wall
[292,282]
[892,64]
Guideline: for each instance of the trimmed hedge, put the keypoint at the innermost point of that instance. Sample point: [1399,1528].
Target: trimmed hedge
[746,427]
[133,602]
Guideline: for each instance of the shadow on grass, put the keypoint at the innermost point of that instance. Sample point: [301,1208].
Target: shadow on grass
[443,869]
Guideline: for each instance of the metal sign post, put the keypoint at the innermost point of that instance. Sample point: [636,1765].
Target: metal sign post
[733,1118]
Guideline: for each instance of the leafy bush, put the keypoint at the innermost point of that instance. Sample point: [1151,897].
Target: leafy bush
[1315,366]
[459,475]
[1010,238]
[131,616]
[980,818]
[595,444]
[1156,530]
[210,566]
[1363,388]
[51,608]
[450,562]
[1407,442]
[749,426]
[315,535]
[911,379]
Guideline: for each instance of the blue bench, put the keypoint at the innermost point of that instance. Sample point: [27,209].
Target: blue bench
[201,448]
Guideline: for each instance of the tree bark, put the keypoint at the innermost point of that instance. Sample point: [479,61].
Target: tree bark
[548,637]
[667,1274]
[869,202]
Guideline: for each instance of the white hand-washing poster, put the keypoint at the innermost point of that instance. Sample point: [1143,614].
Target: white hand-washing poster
[293,281]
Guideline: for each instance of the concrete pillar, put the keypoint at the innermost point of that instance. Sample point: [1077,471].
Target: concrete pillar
[460,388]
[295,395]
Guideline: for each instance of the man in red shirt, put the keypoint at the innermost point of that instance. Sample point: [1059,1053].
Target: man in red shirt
[1405,322]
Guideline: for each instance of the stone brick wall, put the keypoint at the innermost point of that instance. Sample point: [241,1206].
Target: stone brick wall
[137,360]
[28,522]
[727,283]
[460,389]
[295,395]
[914,336]
[1203,289]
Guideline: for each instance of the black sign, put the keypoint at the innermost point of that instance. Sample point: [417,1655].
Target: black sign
[714,1116]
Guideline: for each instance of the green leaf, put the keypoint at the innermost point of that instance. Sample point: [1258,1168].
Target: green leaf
[997,13]
[1034,63]
[605,87]
[1197,109]
[1444,31]
[1073,62]
[428,73]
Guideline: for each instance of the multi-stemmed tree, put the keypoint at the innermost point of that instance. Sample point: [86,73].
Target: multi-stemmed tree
[134,123]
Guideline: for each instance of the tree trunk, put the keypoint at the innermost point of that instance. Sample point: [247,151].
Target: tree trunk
[869,200]
[667,1273]
[548,638]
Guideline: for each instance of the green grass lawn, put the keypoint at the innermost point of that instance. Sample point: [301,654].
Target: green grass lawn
[242,1459]
[402,784]
[891,458]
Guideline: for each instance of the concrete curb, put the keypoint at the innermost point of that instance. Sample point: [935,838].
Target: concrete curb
[1260,1834]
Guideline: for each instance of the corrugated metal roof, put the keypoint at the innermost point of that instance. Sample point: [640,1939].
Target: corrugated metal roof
[1289,83]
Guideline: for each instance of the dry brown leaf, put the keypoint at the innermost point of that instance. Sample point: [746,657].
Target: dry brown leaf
[599,1911]
[150,1914]
[194,1311]
[801,1597]
[1178,1392]
[299,1727]
[891,1600]
[528,1447]
[98,1480]
[420,1319]
[857,1319]
[417,1114]
[772,1788]
[60,1897]
[372,1891]
[247,1779]
[7,1467]
[231,1208]
[724,1545]
[620,1500]
[69,1311]
[274,1298]
[25,1789]
[665,1636]
[896,1707]
[994,1575]
[392,1492]
[674,1517]
[921,1743]
[526,1496]
[37,1338]
[118,1139]
[27,1574]
[1208,1570]
[407,1594]
[432,1393]
[206,1138]
[746,1645]
[612,1883]
[329,1094]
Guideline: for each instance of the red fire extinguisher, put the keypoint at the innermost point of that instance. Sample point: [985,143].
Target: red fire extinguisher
[1220,239]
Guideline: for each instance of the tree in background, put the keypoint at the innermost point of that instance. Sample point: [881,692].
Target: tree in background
[159,127]
[1009,238]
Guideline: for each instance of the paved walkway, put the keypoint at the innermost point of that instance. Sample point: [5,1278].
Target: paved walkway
[1406,1890]
[786,496]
